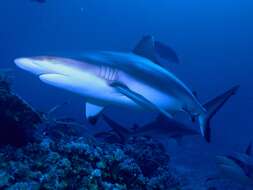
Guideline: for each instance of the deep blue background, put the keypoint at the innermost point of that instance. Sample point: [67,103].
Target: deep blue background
[213,39]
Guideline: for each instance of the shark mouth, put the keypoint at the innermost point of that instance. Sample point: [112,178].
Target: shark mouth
[53,77]
[57,80]
[32,66]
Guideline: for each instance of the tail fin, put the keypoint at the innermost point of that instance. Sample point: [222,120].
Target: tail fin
[211,109]
[123,133]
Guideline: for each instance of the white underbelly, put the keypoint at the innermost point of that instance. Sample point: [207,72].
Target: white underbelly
[107,95]
[97,91]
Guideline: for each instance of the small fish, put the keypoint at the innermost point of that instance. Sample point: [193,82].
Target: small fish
[160,128]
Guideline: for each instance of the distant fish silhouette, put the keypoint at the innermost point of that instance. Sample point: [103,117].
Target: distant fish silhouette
[160,128]
[238,166]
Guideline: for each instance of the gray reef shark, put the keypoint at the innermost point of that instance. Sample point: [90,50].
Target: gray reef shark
[128,79]
[238,166]
[160,128]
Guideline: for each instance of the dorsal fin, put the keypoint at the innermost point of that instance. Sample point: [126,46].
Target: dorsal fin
[149,48]
[166,52]
[248,150]
[146,48]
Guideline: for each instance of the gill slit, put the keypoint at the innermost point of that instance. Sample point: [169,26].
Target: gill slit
[108,73]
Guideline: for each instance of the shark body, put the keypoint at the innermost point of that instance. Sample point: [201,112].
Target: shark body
[160,128]
[237,166]
[133,79]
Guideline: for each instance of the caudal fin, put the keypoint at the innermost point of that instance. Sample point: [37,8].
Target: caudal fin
[123,133]
[211,109]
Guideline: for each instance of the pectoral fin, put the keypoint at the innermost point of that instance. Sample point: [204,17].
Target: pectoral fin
[92,112]
[138,99]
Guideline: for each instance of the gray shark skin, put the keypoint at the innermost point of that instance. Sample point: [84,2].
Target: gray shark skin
[160,128]
[134,80]
[238,166]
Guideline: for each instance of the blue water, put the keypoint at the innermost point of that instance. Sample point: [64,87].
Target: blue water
[213,39]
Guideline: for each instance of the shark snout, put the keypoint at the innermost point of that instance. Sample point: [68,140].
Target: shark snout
[30,65]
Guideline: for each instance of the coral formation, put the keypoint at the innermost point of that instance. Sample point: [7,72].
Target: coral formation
[80,163]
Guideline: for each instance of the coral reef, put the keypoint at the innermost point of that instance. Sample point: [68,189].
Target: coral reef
[148,154]
[80,163]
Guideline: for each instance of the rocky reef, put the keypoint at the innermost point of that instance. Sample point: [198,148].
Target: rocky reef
[37,154]
[18,119]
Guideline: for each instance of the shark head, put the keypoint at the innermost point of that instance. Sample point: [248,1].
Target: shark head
[33,65]
[41,65]
[70,74]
